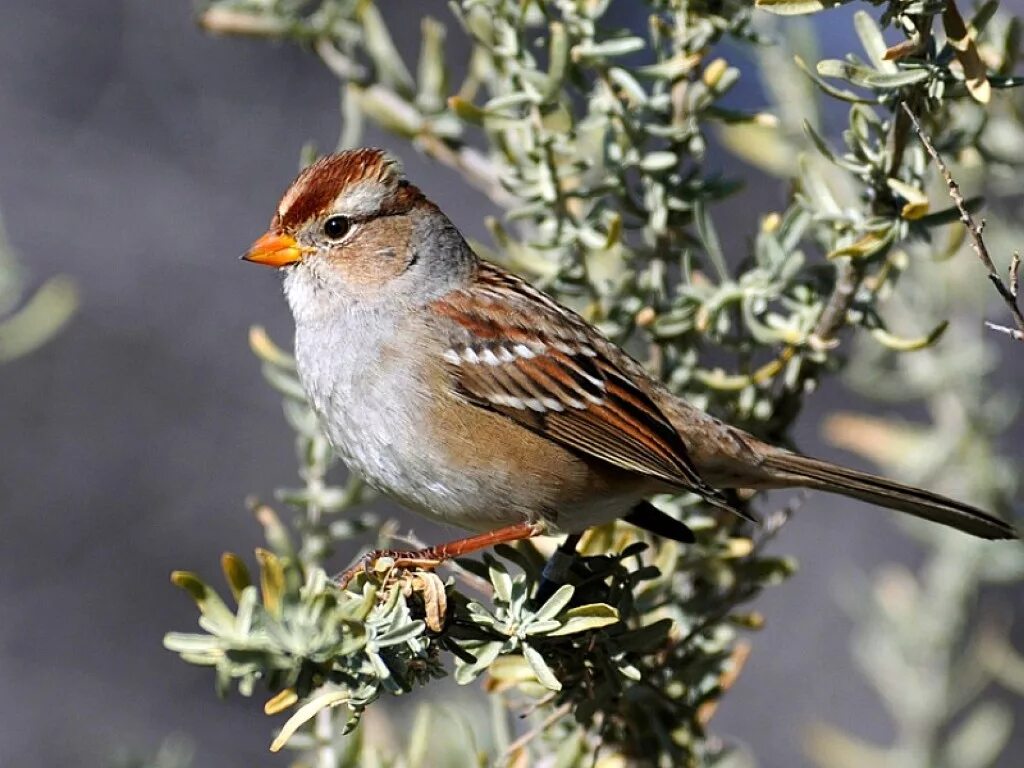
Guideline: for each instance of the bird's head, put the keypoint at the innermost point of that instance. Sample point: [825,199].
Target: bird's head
[351,227]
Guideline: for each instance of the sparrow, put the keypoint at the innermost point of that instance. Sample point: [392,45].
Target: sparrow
[476,400]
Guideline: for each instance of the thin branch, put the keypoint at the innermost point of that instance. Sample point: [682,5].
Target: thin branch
[476,168]
[974,229]
[524,740]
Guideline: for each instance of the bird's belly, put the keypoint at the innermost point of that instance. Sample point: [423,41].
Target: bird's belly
[384,439]
[453,462]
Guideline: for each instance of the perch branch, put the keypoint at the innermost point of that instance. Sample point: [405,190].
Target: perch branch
[1008,293]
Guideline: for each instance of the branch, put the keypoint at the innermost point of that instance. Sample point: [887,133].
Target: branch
[1008,293]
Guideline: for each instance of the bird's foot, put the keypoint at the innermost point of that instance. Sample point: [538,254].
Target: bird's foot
[388,560]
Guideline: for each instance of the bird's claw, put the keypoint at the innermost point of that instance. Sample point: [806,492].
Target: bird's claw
[385,561]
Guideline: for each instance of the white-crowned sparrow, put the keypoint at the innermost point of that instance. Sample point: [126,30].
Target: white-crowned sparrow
[474,399]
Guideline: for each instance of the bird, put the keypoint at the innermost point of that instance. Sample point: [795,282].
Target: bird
[471,397]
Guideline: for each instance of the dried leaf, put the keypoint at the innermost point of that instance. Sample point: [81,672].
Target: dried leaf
[307,712]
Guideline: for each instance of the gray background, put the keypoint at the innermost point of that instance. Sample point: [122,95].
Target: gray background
[140,157]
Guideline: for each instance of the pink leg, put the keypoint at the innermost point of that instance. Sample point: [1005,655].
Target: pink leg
[431,557]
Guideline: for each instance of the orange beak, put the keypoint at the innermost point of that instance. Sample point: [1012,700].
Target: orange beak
[275,250]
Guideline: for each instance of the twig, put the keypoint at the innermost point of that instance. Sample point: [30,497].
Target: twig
[530,735]
[477,169]
[974,229]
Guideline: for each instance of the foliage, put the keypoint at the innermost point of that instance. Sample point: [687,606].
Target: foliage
[591,138]
[916,641]
[28,323]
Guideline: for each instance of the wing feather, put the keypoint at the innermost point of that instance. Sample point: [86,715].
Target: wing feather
[513,350]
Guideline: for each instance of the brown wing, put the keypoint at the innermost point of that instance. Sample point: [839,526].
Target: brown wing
[513,350]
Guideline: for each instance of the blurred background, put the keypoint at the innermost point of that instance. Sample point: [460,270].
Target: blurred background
[139,157]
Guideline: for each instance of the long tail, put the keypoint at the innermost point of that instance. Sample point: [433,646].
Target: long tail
[823,475]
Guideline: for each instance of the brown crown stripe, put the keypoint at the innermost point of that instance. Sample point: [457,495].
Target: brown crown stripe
[320,184]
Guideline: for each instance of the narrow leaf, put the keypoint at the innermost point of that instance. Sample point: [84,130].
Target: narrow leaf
[235,573]
[307,712]
[271,581]
[541,669]
[555,603]
[208,601]
[797,7]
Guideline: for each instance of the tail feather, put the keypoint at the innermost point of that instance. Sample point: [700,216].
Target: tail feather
[823,475]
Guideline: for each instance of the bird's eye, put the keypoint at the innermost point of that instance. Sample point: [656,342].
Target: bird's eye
[336,227]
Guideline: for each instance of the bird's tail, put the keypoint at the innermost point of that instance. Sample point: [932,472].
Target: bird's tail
[825,476]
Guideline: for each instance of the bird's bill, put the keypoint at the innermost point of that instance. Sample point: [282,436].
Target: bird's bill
[275,250]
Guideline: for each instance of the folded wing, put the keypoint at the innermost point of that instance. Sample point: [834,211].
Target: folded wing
[515,351]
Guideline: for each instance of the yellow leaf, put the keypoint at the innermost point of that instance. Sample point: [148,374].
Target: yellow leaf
[866,245]
[281,701]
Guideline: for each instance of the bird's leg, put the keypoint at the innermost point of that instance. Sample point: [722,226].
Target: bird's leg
[431,557]
[557,568]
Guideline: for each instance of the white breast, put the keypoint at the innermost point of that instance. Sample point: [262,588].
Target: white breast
[372,407]
[373,403]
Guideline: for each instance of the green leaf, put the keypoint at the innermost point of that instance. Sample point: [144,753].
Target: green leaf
[586,617]
[870,78]
[709,238]
[797,7]
[608,48]
[185,643]
[39,320]
[874,44]
[951,214]
[485,655]
[909,345]
[266,350]
[466,110]
[541,669]
[209,602]
[819,142]
[400,634]
[836,93]
[285,383]
[980,738]
[431,70]
[554,604]
[390,110]
[653,162]
[381,48]
[558,62]
[501,582]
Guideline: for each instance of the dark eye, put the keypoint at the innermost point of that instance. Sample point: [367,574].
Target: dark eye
[337,227]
